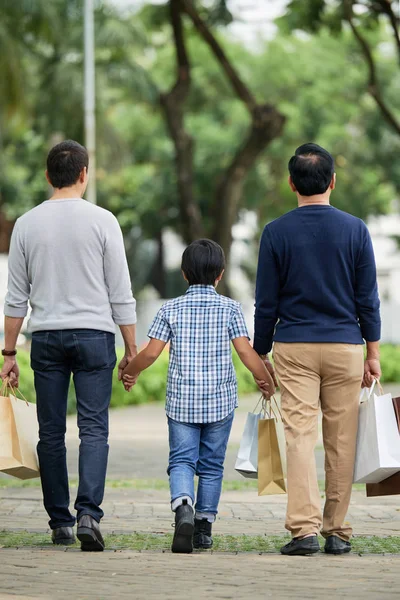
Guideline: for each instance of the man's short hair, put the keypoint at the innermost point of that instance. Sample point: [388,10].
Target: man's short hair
[65,162]
[311,169]
[203,262]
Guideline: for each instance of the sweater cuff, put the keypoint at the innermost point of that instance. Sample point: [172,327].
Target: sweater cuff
[124,314]
[262,345]
[16,313]
[371,333]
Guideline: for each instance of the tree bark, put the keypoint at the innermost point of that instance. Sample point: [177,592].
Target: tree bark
[173,105]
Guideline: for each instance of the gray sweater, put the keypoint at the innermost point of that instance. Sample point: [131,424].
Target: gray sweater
[68,258]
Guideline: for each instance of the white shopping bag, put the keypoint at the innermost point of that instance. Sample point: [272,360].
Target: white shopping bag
[378,439]
[247,458]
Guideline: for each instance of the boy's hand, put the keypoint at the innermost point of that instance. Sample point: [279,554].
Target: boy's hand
[267,389]
[270,367]
[129,381]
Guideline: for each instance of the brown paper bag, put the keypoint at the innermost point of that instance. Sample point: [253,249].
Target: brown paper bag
[391,485]
[18,436]
[271,454]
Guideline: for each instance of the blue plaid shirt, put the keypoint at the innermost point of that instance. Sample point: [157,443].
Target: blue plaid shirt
[200,325]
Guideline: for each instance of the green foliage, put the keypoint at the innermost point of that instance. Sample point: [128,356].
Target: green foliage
[318,81]
[151,385]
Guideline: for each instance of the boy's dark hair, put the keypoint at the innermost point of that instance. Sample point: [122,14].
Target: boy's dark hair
[311,169]
[65,162]
[203,262]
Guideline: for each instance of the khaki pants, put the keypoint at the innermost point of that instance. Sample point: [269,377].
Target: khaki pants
[310,375]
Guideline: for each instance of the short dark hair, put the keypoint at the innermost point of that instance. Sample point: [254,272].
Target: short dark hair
[203,262]
[65,162]
[311,169]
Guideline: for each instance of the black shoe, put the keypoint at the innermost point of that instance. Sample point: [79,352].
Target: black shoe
[202,534]
[335,545]
[184,527]
[301,546]
[63,536]
[89,535]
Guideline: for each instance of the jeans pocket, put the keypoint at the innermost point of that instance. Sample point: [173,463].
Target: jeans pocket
[40,358]
[95,351]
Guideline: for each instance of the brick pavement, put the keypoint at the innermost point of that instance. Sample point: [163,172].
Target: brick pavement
[139,450]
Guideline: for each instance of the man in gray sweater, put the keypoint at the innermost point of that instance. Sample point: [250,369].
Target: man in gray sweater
[67,258]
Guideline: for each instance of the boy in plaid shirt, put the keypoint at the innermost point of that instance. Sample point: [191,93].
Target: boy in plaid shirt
[201,389]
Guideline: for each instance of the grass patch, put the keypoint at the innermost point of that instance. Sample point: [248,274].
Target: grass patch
[236,485]
[222,543]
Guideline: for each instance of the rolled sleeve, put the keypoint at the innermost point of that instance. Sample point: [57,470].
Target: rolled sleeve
[237,325]
[16,302]
[160,329]
[116,273]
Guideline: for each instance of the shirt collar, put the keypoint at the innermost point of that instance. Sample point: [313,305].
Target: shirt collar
[201,289]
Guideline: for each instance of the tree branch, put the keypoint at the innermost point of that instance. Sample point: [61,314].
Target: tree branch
[240,88]
[173,105]
[229,191]
[373,84]
[267,124]
[386,6]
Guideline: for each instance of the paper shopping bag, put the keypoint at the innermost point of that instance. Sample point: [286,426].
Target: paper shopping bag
[271,455]
[378,439]
[391,485]
[18,437]
[388,487]
[247,458]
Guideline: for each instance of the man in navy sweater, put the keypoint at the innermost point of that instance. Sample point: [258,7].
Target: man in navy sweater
[317,299]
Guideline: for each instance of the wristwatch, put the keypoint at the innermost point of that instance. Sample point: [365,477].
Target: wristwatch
[9,352]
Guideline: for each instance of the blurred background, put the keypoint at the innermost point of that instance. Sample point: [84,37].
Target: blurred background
[199,106]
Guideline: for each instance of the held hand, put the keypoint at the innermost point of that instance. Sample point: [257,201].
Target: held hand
[372,371]
[265,388]
[270,368]
[11,370]
[124,363]
[129,381]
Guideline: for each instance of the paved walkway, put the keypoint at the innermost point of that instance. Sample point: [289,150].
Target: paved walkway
[139,451]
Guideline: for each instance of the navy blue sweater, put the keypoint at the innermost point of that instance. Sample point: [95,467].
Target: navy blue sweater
[316,280]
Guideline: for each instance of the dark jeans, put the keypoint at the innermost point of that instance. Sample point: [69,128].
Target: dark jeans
[90,356]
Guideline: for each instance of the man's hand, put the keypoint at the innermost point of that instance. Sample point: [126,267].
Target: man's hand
[129,381]
[11,370]
[125,362]
[372,371]
[265,388]
[271,370]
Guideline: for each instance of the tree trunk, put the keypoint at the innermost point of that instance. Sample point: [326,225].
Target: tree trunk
[158,277]
[6,228]
[267,125]
[173,105]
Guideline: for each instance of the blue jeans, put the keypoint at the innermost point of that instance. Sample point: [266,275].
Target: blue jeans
[198,449]
[90,356]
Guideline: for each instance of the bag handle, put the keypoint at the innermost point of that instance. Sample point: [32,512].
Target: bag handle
[369,391]
[7,386]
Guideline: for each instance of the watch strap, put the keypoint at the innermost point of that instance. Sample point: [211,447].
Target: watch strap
[9,352]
